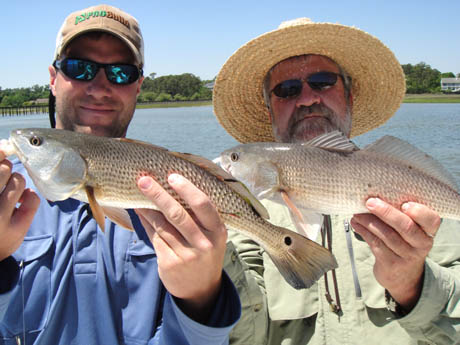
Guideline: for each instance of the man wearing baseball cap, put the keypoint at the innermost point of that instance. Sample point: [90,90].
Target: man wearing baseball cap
[65,281]
[398,278]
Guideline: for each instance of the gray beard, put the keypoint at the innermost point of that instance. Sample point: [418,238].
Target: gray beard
[300,130]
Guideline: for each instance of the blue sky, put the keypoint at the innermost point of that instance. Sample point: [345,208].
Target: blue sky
[198,36]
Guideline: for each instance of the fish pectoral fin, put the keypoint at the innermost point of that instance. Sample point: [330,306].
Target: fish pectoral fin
[301,261]
[267,180]
[96,209]
[119,216]
[308,229]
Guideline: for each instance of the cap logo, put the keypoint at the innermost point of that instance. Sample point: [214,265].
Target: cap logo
[108,14]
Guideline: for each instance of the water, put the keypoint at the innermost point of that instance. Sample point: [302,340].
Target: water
[433,128]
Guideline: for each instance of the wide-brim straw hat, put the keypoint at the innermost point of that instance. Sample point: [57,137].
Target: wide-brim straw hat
[378,82]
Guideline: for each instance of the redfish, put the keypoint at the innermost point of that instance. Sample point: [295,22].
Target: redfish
[104,172]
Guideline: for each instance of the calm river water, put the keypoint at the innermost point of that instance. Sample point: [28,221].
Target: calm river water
[433,128]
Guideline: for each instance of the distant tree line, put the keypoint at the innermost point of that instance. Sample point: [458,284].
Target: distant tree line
[23,96]
[420,78]
[182,87]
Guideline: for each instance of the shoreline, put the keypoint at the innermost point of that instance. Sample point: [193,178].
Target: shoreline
[408,98]
[173,104]
[431,98]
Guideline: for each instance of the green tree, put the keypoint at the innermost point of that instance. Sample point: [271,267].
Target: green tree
[163,97]
[147,96]
[147,85]
[447,75]
[14,100]
[184,84]
[179,97]
[421,78]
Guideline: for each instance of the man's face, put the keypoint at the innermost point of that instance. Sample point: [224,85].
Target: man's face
[312,112]
[97,106]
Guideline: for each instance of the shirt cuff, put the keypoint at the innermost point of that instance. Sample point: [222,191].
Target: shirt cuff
[227,307]
[437,287]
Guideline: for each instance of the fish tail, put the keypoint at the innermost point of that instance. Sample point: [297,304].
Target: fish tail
[303,261]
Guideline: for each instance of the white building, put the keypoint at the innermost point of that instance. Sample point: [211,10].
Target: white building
[452,84]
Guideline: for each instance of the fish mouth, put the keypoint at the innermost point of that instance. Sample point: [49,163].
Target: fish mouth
[15,146]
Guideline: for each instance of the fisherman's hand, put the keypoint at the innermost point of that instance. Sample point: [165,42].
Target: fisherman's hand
[190,250]
[14,221]
[400,241]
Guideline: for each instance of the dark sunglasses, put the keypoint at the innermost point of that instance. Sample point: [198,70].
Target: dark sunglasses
[317,81]
[86,70]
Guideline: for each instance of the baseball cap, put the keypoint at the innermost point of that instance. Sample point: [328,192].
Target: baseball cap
[102,18]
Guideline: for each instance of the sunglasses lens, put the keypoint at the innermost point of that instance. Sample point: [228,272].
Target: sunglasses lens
[85,70]
[288,88]
[122,74]
[79,69]
[322,80]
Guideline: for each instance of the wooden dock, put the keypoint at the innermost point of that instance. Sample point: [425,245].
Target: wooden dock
[25,110]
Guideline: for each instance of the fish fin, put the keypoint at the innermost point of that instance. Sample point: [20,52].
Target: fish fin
[227,178]
[204,163]
[140,142]
[400,150]
[309,230]
[267,181]
[119,216]
[302,261]
[243,191]
[96,209]
[334,141]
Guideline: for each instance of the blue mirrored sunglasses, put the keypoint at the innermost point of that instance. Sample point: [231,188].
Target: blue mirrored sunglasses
[86,70]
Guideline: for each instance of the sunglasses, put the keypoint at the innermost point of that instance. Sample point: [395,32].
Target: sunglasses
[86,70]
[317,81]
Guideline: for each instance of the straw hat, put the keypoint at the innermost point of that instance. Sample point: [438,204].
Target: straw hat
[378,82]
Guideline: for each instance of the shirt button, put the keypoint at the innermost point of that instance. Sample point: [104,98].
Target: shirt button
[257,307]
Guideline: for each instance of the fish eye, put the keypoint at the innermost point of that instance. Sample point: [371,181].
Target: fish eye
[234,156]
[35,141]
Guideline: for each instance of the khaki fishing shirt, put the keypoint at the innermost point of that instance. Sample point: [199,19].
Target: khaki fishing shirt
[274,313]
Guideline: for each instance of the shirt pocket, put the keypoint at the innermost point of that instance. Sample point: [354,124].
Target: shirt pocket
[144,288]
[30,299]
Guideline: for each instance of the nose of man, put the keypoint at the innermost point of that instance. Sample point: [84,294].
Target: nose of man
[100,85]
[307,97]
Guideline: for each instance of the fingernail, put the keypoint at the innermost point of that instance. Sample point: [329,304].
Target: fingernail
[372,202]
[145,183]
[175,179]
[405,207]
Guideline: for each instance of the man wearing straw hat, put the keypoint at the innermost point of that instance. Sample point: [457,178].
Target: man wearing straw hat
[398,276]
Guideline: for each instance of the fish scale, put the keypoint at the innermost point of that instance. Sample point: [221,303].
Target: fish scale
[336,181]
[104,172]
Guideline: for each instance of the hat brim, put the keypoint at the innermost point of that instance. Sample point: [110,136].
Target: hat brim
[378,83]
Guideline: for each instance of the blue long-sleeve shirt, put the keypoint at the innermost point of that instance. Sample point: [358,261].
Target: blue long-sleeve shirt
[70,283]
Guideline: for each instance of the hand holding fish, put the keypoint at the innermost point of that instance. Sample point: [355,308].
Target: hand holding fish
[400,242]
[14,221]
[190,249]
